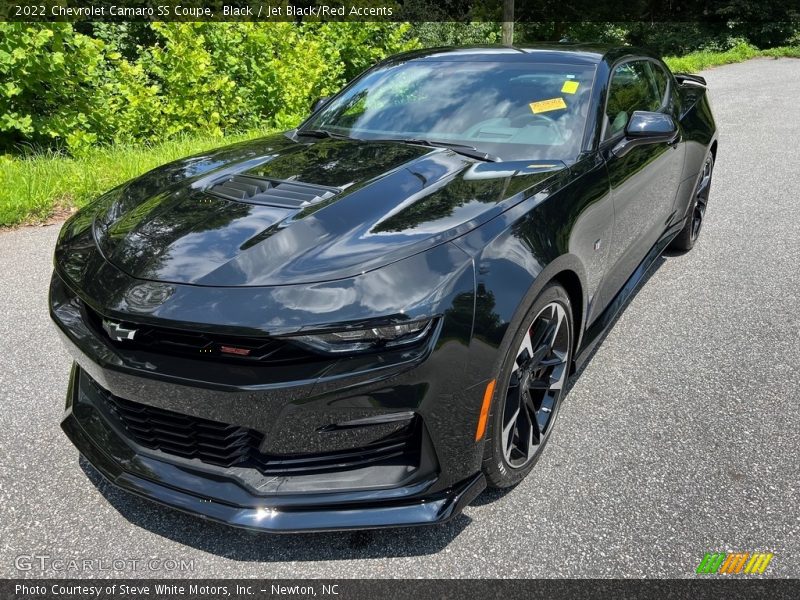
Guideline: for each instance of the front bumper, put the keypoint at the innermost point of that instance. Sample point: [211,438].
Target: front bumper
[215,495]
[308,412]
[302,416]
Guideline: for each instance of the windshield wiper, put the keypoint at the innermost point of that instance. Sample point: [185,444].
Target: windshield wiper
[463,149]
[322,133]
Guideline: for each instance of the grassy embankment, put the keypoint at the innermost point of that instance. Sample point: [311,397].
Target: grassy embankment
[698,61]
[34,188]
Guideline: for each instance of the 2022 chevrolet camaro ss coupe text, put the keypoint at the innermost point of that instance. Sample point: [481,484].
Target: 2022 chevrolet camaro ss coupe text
[366,320]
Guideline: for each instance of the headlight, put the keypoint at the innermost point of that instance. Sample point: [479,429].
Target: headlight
[361,340]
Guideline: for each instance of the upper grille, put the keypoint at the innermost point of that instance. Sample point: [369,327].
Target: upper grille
[203,345]
[274,192]
[228,446]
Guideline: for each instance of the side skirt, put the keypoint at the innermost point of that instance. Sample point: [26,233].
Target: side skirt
[603,323]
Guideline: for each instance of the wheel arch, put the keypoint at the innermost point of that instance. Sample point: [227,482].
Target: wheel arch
[571,282]
[567,271]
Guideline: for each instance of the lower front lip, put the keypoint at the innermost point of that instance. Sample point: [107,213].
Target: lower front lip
[315,515]
[270,504]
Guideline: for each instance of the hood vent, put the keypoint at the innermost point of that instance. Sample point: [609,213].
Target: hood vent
[272,192]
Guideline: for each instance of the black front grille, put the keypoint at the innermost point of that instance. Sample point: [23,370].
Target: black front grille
[228,446]
[182,435]
[273,192]
[203,345]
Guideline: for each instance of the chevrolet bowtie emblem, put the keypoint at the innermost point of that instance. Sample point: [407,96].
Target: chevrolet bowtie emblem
[117,332]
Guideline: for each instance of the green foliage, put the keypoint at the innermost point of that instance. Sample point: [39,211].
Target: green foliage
[604,33]
[447,33]
[665,38]
[782,52]
[46,72]
[71,87]
[697,61]
[357,46]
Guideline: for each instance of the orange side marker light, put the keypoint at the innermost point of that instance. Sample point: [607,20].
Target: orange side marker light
[487,402]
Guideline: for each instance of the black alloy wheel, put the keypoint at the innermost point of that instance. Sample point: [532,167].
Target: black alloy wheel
[686,239]
[530,389]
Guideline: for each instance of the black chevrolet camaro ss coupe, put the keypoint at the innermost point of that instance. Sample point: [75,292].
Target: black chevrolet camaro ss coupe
[365,321]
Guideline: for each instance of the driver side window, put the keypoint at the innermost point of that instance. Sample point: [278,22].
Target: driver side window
[633,87]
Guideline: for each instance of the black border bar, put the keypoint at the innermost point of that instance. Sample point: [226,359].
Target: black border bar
[538,11]
[727,587]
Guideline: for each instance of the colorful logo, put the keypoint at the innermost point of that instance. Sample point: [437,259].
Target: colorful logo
[735,562]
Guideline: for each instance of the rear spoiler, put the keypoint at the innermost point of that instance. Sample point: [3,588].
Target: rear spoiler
[687,79]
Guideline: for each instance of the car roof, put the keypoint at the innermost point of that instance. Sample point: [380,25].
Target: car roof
[555,53]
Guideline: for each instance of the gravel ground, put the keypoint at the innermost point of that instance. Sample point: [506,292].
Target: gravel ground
[680,436]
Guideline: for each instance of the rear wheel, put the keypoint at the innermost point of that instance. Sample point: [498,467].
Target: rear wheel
[686,239]
[530,388]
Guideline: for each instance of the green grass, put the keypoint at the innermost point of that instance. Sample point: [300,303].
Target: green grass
[698,61]
[33,188]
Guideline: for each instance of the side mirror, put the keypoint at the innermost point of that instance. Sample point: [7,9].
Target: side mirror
[319,103]
[646,128]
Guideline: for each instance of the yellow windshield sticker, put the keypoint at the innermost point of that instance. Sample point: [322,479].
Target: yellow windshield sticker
[548,105]
[569,87]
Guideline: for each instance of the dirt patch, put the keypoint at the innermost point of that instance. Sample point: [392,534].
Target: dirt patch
[57,216]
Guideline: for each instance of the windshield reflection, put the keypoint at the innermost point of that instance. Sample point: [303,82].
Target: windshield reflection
[511,110]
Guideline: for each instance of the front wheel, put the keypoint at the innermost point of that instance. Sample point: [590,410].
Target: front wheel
[686,239]
[530,387]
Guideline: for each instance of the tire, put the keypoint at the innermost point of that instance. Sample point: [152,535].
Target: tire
[686,239]
[546,333]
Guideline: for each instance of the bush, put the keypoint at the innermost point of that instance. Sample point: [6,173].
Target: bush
[697,61]
[73,87]
[47,73]
[446,33]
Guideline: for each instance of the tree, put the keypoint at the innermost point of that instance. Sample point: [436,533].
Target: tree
[508,22]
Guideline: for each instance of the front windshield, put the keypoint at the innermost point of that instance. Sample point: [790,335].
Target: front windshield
[515,111]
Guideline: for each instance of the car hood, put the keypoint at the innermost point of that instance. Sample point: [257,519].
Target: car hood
[276,211]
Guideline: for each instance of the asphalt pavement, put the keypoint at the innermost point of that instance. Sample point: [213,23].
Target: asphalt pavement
[681,436]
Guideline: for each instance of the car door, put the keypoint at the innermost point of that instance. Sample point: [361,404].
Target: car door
[643,181]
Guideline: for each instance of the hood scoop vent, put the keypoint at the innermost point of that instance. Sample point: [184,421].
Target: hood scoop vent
[271,192]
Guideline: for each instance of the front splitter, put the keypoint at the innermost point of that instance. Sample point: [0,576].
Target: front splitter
[438,508]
